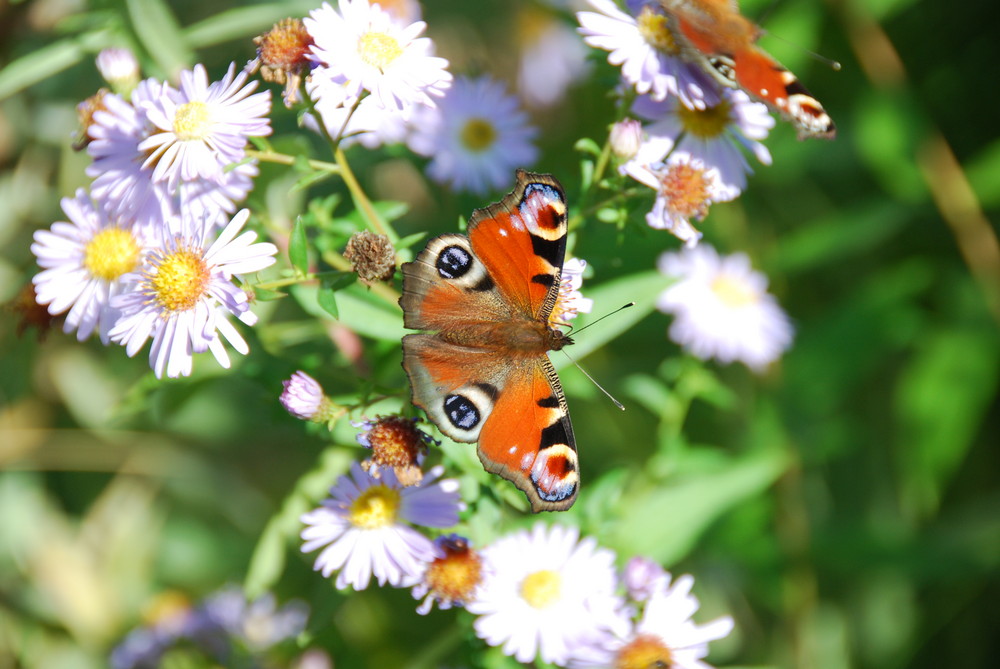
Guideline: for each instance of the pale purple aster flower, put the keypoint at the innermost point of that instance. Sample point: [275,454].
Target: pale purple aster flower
[85,262]
[722,309]
[664,636]
[551,60]
[302,396]
[716,135]
[185,293]
[203,127]
[475,136]
[364,48]
[258,624]
[364,527]
[642,577]
[625,138]
[545,591]
[119,175]
[647,51]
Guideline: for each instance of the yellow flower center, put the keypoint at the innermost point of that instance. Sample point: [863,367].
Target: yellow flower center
[644,652]
[192,121]
[478,134]
[706,123]
[542,588]
[379,49]
[375,507]
[180,280]
[655,29]
[732,292]
[686,188]
[111,253]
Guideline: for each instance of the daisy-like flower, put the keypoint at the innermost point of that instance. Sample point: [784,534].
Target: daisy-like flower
[185,293]
[361,527]
[364,122]
[722,309]
[551,59]
[685,189]
[86,262]
[665,635]
[544,592]
[643,577]
[716,135]
[116,131]
[571,301]
[364,48]
[303,397]
[475,136]
[452,577]
[647,51]
[203,127]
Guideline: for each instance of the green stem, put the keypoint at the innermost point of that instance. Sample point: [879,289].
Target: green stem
[361,200]
[288,281]
[285,159]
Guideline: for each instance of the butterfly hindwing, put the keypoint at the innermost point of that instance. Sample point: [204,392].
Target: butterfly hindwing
[481,372]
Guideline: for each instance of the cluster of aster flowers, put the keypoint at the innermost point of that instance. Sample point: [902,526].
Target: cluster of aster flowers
[373,78]
[152,249]
[225,627]
[540,593]
[690,147]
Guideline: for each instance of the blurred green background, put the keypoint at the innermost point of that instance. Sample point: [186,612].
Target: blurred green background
[843,507]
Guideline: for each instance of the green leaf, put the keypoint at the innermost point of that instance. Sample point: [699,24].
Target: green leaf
[642,288]
[237,24]
[43,63]
[587,145]
[298,247]
[359,309]
[685,509]
[161,35]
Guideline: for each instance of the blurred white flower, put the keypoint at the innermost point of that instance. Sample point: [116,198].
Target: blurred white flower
[722,309]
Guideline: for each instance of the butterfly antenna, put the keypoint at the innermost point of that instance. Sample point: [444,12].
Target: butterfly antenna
[594,381]
[832,64]
[624,306]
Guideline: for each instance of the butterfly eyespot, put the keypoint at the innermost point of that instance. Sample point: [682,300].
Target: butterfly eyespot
[453,262]
[462,413]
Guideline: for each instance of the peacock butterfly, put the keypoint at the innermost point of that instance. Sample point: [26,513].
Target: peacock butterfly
[482,371]
[715,36]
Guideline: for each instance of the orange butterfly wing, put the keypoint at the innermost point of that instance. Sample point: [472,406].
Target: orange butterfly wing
[722,42]
[484,375]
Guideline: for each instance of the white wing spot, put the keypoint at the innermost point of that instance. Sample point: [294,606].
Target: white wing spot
[503,232]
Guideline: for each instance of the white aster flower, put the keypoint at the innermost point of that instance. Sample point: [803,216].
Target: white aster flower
[715,135]
[475,136]
[203,127]
[85,262]
[665,635]
[647,52]
[544,593]
[361,527]
[365,49]
[571,301]
[183,296]
[722,309]
[685,189]
[364,122]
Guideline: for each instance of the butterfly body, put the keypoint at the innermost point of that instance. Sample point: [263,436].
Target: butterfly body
[481,370]
[723,42]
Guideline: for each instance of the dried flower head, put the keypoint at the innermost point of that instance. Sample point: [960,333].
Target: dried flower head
[397,444]
[282,56]
[85,114]
[32,314]
[372,256]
